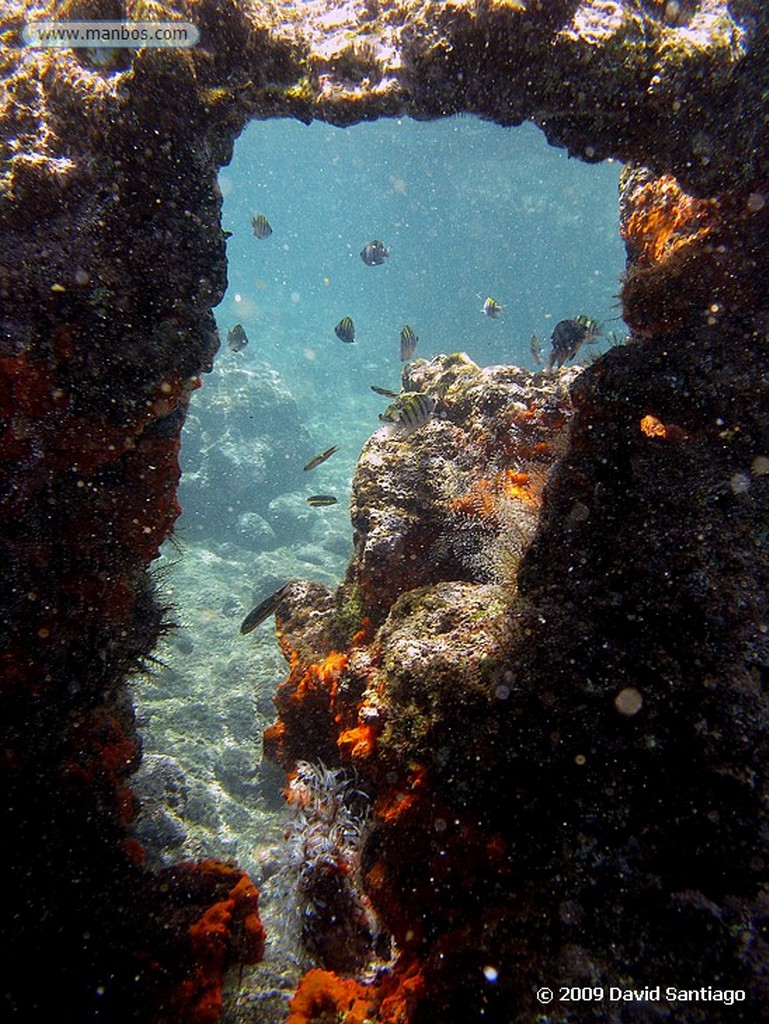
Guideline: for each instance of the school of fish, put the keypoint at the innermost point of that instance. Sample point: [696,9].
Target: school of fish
[409,410]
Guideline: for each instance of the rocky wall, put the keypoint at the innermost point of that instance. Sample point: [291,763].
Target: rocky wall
[112,257]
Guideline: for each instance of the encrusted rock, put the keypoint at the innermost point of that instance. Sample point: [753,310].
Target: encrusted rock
[451,499]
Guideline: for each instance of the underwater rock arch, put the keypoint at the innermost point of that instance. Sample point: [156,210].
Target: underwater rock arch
[112,259]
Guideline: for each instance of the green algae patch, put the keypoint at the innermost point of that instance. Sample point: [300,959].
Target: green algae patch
[350,611]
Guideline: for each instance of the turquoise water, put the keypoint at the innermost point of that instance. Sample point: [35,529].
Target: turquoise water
[468,210]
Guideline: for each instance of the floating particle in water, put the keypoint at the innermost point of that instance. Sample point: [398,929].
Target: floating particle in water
[570,912]
[629,701]
[579,512]
[740,483]
[756,201]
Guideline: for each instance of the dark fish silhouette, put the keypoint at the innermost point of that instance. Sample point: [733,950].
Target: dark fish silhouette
[569,336]
[383,391]
[374,253]
[345,330]
[317,459]
[262,611]
[409,342]
[261,226]
[319,500]
[536,349]
[236,339]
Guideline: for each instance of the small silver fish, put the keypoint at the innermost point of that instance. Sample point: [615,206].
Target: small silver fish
[345,330]
[319,500]
[383,391]
[263,610]
[374,253]
[407,413]
[491,308]
[409,342]
[236,339]
[317,459]
[261,226]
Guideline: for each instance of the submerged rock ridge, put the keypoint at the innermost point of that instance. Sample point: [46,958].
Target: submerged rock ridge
[575,796]
[441,519]
[562,762]
[401,674]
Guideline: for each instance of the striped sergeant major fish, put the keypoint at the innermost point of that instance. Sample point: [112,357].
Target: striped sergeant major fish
[408,413]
